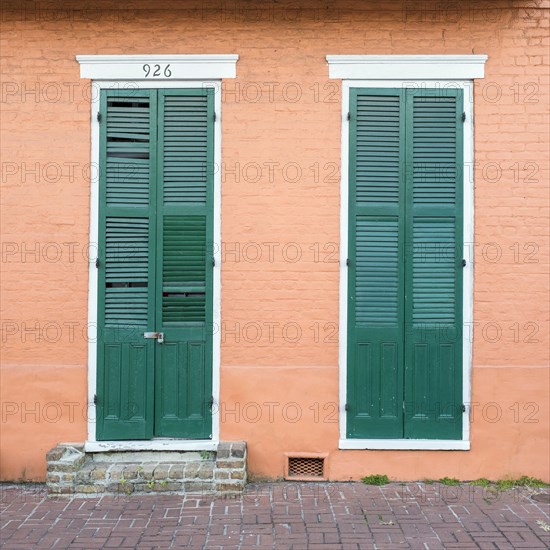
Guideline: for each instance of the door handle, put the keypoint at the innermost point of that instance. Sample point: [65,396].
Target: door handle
[158,336]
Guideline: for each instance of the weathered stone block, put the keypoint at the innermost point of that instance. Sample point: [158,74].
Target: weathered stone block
[116,472]
[160,487]
[55,454]
[224,449]
[130,471]
[119,488]
[161,472]
[141,487]
[147,471]
[83,475]
[52,477]
[230,464]
[238,449]
[229,487]
[60,467]
[198,486]
[206,471]
[90,488]
[100,473]
[60,489]
[176,472]
[192,469]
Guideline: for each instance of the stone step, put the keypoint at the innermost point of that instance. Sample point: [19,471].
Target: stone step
[155,456]
[73,472]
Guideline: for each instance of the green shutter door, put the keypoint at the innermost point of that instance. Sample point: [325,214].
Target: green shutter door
[155,266]
[183,383]
[126,291]
[375,278]
[405,274]
[433,313]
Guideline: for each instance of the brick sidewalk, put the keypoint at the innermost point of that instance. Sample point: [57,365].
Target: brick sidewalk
[281,515]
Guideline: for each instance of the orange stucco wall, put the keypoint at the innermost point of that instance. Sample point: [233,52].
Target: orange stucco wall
[281,116]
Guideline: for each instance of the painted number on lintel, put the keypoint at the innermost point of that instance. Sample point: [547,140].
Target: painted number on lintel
[152,71]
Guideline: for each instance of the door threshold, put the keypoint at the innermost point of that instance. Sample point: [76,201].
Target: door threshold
[159,444]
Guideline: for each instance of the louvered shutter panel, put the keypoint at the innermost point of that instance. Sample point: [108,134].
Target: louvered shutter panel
[434,226]
[375,275]
[185,230]
[405,274]
[126,274]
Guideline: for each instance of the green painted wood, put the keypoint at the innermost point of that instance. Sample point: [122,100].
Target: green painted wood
[375,279]
[155,270]
[126,275]
[183,384]
[405,276]
[434,227]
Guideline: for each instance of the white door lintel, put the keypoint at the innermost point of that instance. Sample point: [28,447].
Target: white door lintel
[153,68]
[416,67]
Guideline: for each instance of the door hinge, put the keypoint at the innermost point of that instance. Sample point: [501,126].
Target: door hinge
[347,261]
[213,261]
[346,407]
[211,402]
[463,408]
[95,399]
[349,116]
[463,263]
[97,262]
[214,117]
[99,117]
[463,117]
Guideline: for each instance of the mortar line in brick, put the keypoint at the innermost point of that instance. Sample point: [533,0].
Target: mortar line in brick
[273,533]
[427,522]
[525,524]
[333,514]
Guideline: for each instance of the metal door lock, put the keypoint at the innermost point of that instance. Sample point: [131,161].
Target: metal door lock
[158,336]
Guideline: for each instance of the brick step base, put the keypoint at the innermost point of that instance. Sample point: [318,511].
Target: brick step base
[73,472]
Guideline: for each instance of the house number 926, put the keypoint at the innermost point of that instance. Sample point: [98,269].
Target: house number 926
[152,71]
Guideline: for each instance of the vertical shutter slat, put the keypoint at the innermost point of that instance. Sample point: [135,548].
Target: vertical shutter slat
[375,279]
[185,225]
[433,350]
[126,272]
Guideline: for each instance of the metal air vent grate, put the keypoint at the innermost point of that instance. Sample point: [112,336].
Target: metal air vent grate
[303,467]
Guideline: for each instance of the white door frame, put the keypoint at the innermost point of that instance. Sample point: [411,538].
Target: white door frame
[192,71]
